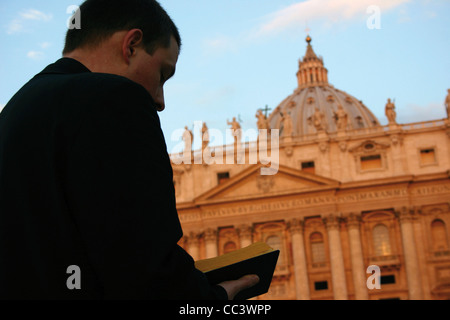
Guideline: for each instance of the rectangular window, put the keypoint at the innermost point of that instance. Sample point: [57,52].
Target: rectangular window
[222,177]
[320,285]
[371,162]
[309,167]
[427,156]
[390,279]
[318,252]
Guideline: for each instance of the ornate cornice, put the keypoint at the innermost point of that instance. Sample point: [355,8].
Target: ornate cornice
[332,222]
[295,226]
[210,235]
[405,214]
[245,231]
[353,220]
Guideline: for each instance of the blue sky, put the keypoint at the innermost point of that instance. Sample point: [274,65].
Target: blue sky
[240,55]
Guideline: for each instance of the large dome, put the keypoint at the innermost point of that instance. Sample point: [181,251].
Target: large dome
[316,99]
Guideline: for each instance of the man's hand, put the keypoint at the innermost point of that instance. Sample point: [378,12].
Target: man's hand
[234,286]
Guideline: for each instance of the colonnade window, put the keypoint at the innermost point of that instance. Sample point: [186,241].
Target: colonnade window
[275,243]
[439,235]
[317,247]
[381,240]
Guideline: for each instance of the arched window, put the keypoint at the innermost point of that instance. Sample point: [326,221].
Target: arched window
[439,235]
[317,247]
[229,247]
[381,241]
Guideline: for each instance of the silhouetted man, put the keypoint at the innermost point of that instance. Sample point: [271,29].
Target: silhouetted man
[86,183]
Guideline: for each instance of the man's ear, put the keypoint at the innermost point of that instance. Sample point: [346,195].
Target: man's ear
[131,41]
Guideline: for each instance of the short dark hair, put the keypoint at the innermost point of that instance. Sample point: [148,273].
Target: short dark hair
[100,19]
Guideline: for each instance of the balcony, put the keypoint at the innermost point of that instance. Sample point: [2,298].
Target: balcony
[441,255]
[281,270]
[386,261]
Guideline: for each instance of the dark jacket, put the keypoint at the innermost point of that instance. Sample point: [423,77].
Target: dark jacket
[86,181]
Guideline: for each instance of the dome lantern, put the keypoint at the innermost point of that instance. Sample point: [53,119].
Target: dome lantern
[311,69]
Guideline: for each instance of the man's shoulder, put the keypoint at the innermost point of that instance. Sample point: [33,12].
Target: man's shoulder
[93,91]
[100,84]
[67,75]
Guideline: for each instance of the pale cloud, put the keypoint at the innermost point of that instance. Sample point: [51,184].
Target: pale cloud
[19,24]
[35,55]
[403,16]
[298,15]
[213,96]
[33,14]
[328,11]
[430,14]
[15,26]
[219,44]
[45,45]
[414,112]
[1,106]
[38,54]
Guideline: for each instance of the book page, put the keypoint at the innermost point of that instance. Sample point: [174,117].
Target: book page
[253,250]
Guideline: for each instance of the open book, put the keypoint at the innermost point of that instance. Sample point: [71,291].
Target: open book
[258,258]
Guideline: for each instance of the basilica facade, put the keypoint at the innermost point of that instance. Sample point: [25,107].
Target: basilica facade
[350,197]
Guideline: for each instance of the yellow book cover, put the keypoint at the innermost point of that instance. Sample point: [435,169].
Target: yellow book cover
[258,258]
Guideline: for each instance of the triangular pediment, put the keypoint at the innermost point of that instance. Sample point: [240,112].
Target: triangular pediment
[251,184]
[368,146]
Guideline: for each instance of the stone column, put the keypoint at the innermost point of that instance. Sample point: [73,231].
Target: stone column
[194,245]
[295,227]
[336,257]
[410,254]
[319,75]
[245,232]
[358,270]
[211,243]
[421,252]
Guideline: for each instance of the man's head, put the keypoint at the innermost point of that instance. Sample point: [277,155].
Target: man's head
[133,38]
